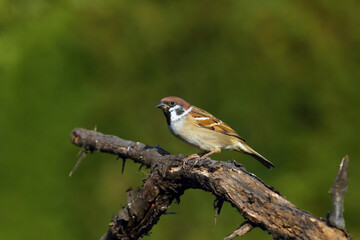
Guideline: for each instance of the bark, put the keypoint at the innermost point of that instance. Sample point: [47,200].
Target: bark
[170,176]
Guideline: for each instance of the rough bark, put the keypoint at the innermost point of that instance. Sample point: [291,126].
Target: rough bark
[169,177]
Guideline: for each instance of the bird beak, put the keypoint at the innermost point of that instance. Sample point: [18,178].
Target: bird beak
[162,106]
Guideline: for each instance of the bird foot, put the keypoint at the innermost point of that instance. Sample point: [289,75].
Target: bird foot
[192,156]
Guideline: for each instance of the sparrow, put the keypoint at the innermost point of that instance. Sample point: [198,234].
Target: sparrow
[204,131]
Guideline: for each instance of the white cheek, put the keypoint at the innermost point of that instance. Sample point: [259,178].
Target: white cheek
[174,116]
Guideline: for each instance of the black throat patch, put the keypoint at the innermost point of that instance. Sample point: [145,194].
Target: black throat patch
[168,116]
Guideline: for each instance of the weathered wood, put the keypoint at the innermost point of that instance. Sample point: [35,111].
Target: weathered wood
[337,192]
[260,204]
[243,229]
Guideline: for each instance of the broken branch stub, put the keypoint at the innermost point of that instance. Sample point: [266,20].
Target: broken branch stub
[337,192]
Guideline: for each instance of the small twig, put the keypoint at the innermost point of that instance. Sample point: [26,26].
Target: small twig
[123,165]
[218,203]
[337,192]
[170,213]
[141,166]
[243,229]
[82,154]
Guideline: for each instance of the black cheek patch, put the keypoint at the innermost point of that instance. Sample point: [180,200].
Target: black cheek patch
[179,111]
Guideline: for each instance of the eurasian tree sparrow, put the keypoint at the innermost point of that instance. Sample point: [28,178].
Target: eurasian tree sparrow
[202,130]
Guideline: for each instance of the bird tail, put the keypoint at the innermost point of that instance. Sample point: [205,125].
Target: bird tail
[243,147]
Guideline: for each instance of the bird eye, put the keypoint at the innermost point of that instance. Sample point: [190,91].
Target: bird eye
[172,103]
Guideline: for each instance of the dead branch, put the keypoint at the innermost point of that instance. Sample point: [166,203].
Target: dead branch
[243,229]
[260,204]
[337,192]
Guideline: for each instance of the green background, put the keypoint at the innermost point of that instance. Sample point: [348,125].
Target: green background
[283,74]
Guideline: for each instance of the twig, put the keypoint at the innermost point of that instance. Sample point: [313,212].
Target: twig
[243,229]
[82,154]
[337,192]
[123,165]
[218,203]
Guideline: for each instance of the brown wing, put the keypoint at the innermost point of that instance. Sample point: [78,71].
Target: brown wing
[206,120]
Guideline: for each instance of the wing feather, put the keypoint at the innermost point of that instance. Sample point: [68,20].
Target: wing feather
[206,120]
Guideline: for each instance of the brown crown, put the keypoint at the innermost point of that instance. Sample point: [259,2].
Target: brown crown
[176,100]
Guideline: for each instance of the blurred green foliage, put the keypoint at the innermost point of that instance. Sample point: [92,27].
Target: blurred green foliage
[283,74]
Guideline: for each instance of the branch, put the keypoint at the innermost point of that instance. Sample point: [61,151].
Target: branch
[243,229]
[260,204]
[337,192]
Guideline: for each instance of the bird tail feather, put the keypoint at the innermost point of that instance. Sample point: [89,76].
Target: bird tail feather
[243,147]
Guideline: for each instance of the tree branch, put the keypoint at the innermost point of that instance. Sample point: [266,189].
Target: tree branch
[260,204]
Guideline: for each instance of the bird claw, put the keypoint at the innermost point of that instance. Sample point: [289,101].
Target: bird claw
[192,156]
